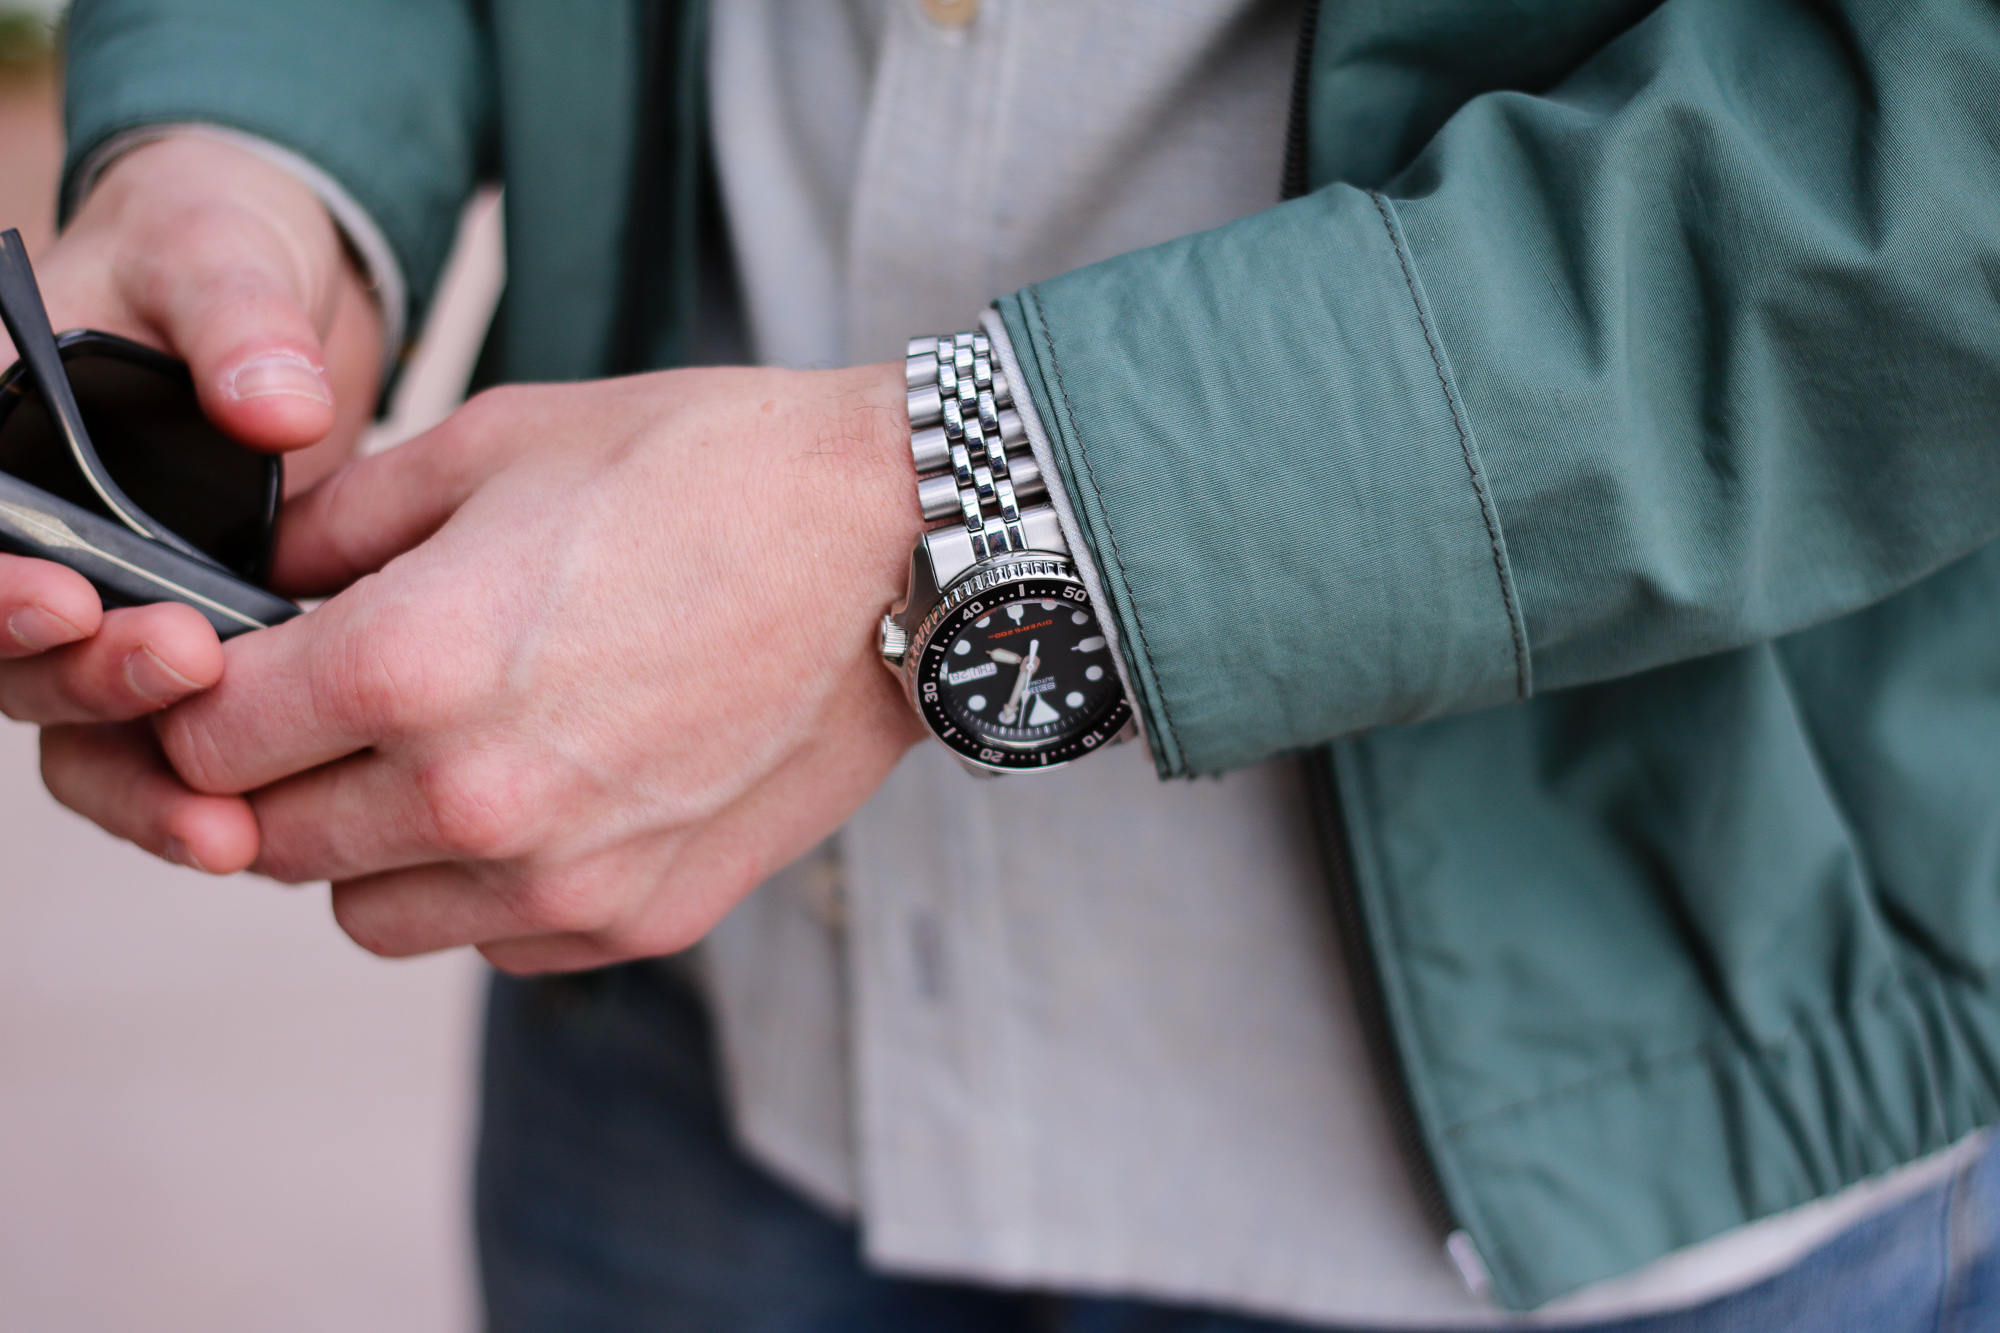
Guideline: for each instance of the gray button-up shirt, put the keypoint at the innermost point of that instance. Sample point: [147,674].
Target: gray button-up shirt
[1075,1029]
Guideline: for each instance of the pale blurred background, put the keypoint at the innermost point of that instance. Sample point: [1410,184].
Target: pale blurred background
[216,1114]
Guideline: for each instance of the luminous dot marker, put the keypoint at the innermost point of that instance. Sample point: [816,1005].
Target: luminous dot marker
[962,647]
[1094,673]
[977,703]
[982,622]
[1078,618]
[1074,699]
[1048,606]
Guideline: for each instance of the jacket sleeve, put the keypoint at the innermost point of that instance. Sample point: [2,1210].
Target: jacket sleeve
[1698,348]
[391,98]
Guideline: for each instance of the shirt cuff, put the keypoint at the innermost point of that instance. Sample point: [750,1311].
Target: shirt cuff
[995,329]
[380,272]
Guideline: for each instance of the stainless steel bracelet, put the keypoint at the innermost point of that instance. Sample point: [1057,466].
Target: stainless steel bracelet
[974,468]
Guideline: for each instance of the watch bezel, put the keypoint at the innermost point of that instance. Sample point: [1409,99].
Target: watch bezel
[1016,576]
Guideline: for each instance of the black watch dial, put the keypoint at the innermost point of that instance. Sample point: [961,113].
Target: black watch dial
[1022,677]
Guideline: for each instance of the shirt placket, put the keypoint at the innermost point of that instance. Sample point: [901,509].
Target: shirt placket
[942,1135]
[925,197]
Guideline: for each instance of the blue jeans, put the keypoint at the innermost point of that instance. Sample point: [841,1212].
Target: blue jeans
[611,1198]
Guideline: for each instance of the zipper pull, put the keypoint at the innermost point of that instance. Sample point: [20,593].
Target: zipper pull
[1464,1256]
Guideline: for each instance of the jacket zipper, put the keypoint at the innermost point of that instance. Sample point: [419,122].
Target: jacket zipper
[1324,792]
[1294,181]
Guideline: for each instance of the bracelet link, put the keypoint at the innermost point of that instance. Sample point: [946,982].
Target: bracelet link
[969,443]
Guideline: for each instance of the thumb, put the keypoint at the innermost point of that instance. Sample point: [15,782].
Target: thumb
[242,306]
[229,260]
[374,509]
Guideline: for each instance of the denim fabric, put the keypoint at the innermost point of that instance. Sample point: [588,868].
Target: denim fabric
[610,1198]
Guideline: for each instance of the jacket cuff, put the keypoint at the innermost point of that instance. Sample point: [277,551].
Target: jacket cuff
[1269,462]
[1080,556]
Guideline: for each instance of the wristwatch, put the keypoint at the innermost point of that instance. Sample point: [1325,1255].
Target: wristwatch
[997,642]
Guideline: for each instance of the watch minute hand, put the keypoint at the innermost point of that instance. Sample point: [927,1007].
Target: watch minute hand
[1033,660]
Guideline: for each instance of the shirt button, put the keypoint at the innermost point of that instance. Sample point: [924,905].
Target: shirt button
[950,13]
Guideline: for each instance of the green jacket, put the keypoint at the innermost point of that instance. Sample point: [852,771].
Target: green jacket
[1595,471]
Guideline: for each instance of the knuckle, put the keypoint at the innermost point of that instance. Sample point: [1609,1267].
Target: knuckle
[12,704]
[446,450]
[483,416]
[608,948]
[367,928]
[191,750]
[673,924]
[383,680]
[75,693]
[283,861]
[486,427]
[58,763]
[567,902]
[513,963]
[677,933]
[474,810]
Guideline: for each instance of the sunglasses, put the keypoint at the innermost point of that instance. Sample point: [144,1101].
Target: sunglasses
[108,466]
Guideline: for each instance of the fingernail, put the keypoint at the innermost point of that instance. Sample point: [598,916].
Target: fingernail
[183,855]
[279,374]
[39,630]
[153,680]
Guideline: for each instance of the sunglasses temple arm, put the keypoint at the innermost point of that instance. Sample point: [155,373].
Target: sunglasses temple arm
[127,569]
[27,320]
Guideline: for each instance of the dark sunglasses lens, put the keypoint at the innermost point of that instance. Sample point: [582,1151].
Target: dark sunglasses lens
[149,429]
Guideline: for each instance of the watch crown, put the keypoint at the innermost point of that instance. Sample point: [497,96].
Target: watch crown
[895,639]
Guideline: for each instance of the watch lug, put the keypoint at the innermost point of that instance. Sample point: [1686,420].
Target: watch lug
[924,589]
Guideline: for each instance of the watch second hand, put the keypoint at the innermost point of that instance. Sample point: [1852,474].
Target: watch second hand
[1028,665]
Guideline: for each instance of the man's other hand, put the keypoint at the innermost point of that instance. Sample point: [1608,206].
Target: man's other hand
[225,260]
[609,662]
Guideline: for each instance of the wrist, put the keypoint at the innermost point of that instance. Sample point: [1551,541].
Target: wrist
[876,433]
[151,188]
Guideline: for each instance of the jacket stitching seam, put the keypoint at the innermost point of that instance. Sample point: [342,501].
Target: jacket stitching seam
[1713,1044]
[1090,475]
[1486,512]
[1657,1060]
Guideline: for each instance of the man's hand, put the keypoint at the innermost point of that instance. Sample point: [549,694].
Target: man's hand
[617,665]
[230,263]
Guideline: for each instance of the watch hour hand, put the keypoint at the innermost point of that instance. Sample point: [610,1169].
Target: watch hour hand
[1013,708]
[1003,655]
